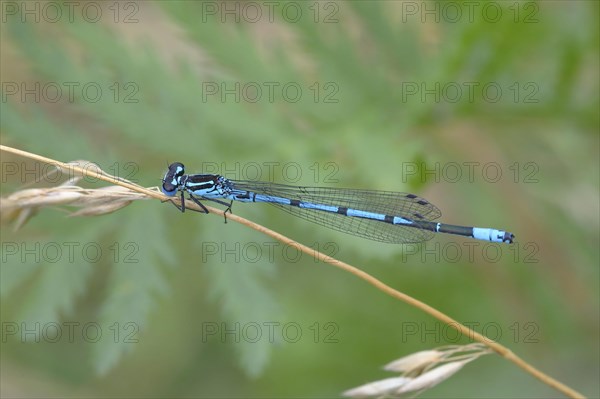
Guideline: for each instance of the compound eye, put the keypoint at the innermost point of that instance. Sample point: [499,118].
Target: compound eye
[168,189]
[171,179]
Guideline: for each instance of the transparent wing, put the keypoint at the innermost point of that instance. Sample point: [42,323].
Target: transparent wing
[390,203]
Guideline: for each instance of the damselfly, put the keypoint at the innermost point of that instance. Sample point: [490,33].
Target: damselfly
[377,215]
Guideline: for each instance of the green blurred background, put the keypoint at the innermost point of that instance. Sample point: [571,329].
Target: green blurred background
[365,95]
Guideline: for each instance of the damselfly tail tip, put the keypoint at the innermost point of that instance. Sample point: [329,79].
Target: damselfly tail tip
[508,238]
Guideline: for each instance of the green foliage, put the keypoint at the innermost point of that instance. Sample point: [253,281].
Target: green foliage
[136,280]
[236,280]
[156,108]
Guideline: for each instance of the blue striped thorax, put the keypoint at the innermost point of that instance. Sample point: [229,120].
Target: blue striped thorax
[207,186]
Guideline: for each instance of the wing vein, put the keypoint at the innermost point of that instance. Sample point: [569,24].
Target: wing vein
[389,203]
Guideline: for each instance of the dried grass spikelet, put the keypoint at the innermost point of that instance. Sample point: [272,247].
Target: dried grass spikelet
[377,388]
[433,377]
[414,363]
[21,205]
[420,371]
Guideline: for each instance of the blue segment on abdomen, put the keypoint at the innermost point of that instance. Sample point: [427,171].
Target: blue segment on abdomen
[269,198]
[364,214]
[321,207]
[399,220]
[492,235]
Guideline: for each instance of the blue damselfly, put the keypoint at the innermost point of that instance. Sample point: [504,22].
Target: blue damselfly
[385,216]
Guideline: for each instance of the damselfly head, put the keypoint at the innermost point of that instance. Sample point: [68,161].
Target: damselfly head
[508,238]
[171,180]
